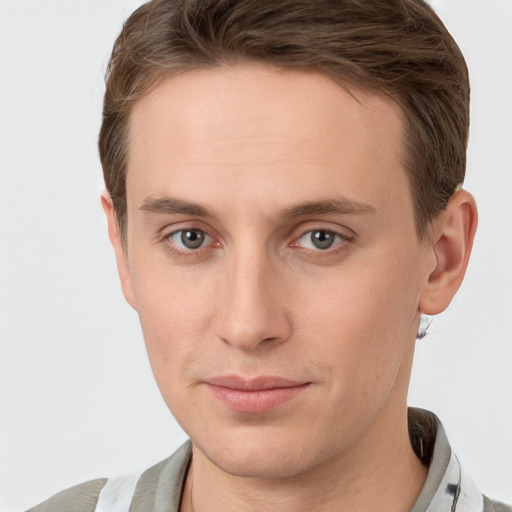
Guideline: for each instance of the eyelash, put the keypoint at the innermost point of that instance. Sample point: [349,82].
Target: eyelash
[186,252]
[338,245]
[340,242]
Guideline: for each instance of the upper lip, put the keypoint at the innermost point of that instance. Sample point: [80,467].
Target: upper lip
[254,384]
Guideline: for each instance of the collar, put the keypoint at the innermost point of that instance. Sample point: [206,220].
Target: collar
[447,487]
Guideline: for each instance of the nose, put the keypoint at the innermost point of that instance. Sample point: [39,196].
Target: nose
[253,312]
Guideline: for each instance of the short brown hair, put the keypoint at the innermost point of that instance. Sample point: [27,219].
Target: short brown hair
[395,47]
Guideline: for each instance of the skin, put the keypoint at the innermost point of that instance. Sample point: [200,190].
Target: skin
[236,153]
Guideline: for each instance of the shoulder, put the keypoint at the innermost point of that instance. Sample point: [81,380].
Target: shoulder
[80,498]
[495,506]
[161,484]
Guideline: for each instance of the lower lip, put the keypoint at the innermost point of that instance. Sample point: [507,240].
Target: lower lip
[255,401]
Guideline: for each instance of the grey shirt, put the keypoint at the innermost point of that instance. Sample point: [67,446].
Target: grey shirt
[159,489]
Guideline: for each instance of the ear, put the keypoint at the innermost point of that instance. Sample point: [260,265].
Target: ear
[449,250]
[114,234]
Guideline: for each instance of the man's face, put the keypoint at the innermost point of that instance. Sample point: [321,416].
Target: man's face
[274,263]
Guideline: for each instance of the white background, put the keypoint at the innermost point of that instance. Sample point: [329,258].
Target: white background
[77,398]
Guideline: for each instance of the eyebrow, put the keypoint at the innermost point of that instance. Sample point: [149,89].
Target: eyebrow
[172,205]
[338,205]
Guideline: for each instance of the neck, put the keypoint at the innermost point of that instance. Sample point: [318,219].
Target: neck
[379,473]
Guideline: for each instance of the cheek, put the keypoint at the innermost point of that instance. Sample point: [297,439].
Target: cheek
[364,322]
[174,320]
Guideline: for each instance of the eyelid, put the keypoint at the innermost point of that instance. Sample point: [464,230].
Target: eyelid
[345,235]
[308,227]
[335,236]
[186,225]
[206,241]
[168,232]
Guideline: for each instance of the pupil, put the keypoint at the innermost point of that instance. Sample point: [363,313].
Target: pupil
[192,239]
[322,239]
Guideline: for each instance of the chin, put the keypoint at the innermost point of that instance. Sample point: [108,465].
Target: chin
[260,464]
[262,455]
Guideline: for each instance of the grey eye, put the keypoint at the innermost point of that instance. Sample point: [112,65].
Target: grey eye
[320,239]
[189,238]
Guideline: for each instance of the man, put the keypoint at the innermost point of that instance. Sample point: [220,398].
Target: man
[284,200]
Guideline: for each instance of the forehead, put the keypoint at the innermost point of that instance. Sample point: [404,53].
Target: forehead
[253,126]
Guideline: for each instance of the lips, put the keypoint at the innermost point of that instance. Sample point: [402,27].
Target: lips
[253,396]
